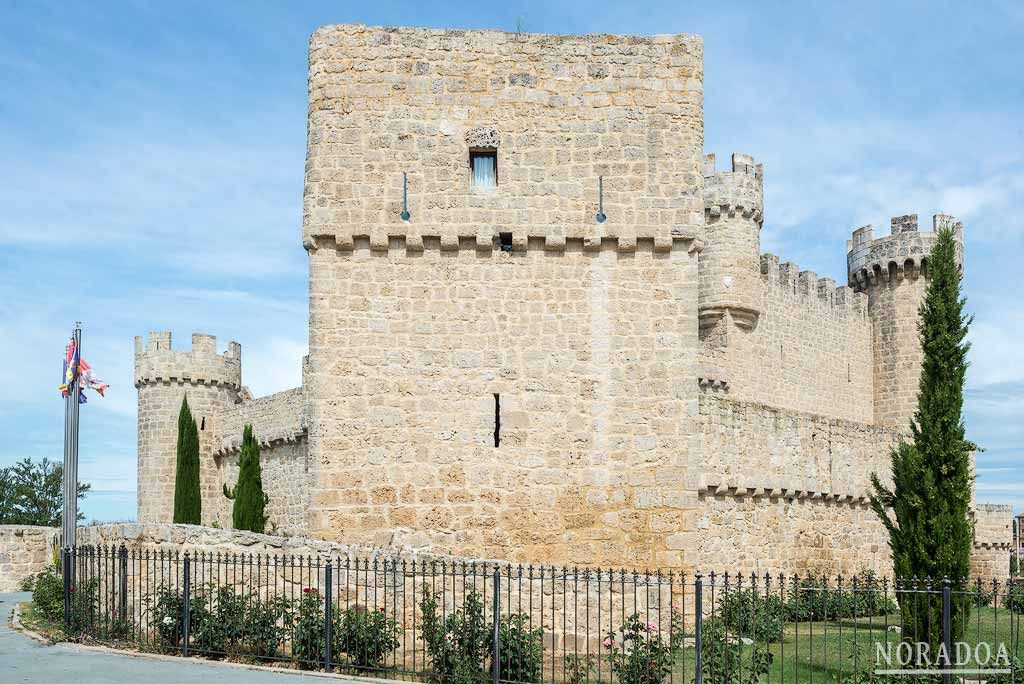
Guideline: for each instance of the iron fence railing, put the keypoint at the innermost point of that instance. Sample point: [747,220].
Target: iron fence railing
[442,621]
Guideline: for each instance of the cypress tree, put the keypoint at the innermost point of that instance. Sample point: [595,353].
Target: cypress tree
[187,499]
[247,513]
[925,512]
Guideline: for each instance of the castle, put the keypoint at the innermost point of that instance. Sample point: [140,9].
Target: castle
[541,328]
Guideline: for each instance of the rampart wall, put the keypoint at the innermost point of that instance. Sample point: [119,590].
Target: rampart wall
[810,349]
[786,491]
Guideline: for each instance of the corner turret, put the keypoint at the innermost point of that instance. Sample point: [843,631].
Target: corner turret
[893,272]
[730,263]
[163,376]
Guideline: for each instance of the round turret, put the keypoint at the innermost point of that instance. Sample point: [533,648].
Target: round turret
[730,262]
[163,376]
[893,272]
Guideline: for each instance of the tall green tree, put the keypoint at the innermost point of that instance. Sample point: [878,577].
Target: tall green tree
[250,501]
[33,493]
[926,510]
[187,499]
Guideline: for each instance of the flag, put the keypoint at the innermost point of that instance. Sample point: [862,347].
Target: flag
[90,379]
[70,368]
[76,367]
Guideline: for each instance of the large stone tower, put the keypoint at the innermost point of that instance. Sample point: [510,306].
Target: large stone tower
[893,271]
[503,241]
[163,376]
[730,262]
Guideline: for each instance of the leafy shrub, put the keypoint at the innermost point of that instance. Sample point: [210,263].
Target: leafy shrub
[980,598]
[218,618]
[27,583]
[266,625]
[723,661]
[84,602]
[48,595]
[366,636]
[1014,598]
[167,611]
[638,655]
[309,634]
[578,669]
[520,649]
[458,644]
[812,598]
[749,613]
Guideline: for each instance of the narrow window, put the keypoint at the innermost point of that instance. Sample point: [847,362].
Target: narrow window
[506,241]
[497,420]
[483,168]
[202,423]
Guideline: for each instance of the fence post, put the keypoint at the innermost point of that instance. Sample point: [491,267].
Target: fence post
[66,570]
[328,616]
[495,614]
[186,614]
[123,583]
[947,628]
[698,626]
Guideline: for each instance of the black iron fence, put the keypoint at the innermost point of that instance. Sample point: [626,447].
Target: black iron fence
[464,622]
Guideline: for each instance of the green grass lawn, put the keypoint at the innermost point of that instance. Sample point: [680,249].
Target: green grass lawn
[826,652]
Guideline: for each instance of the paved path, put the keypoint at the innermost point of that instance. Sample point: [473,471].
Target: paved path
[25,660]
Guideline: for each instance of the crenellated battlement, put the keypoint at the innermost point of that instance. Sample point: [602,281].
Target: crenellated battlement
[788,279]
[740,190]
[497,241]
[903,254]
[158,362]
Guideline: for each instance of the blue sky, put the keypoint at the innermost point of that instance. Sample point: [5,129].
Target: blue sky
[152,161]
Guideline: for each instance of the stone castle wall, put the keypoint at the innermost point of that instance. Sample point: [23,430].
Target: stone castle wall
[809,351]
[591,353]
[279,424]
[24,551]
[784,491]
[662,394]
[751,446]
[288,481]
[559,111]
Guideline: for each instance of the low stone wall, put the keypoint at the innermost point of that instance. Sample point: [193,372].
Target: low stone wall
[24,551]
[391,579]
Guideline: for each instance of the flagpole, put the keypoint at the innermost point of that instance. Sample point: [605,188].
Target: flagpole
[71,406]
[65,535]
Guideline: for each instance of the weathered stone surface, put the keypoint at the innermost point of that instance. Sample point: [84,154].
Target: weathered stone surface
[24,551]
[668,396]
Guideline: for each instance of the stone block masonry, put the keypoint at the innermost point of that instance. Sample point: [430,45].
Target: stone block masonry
[24,551]
[558,111]
[417,356]
[498,373]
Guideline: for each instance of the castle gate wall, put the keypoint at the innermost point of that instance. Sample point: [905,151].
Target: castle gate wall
[587,356]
